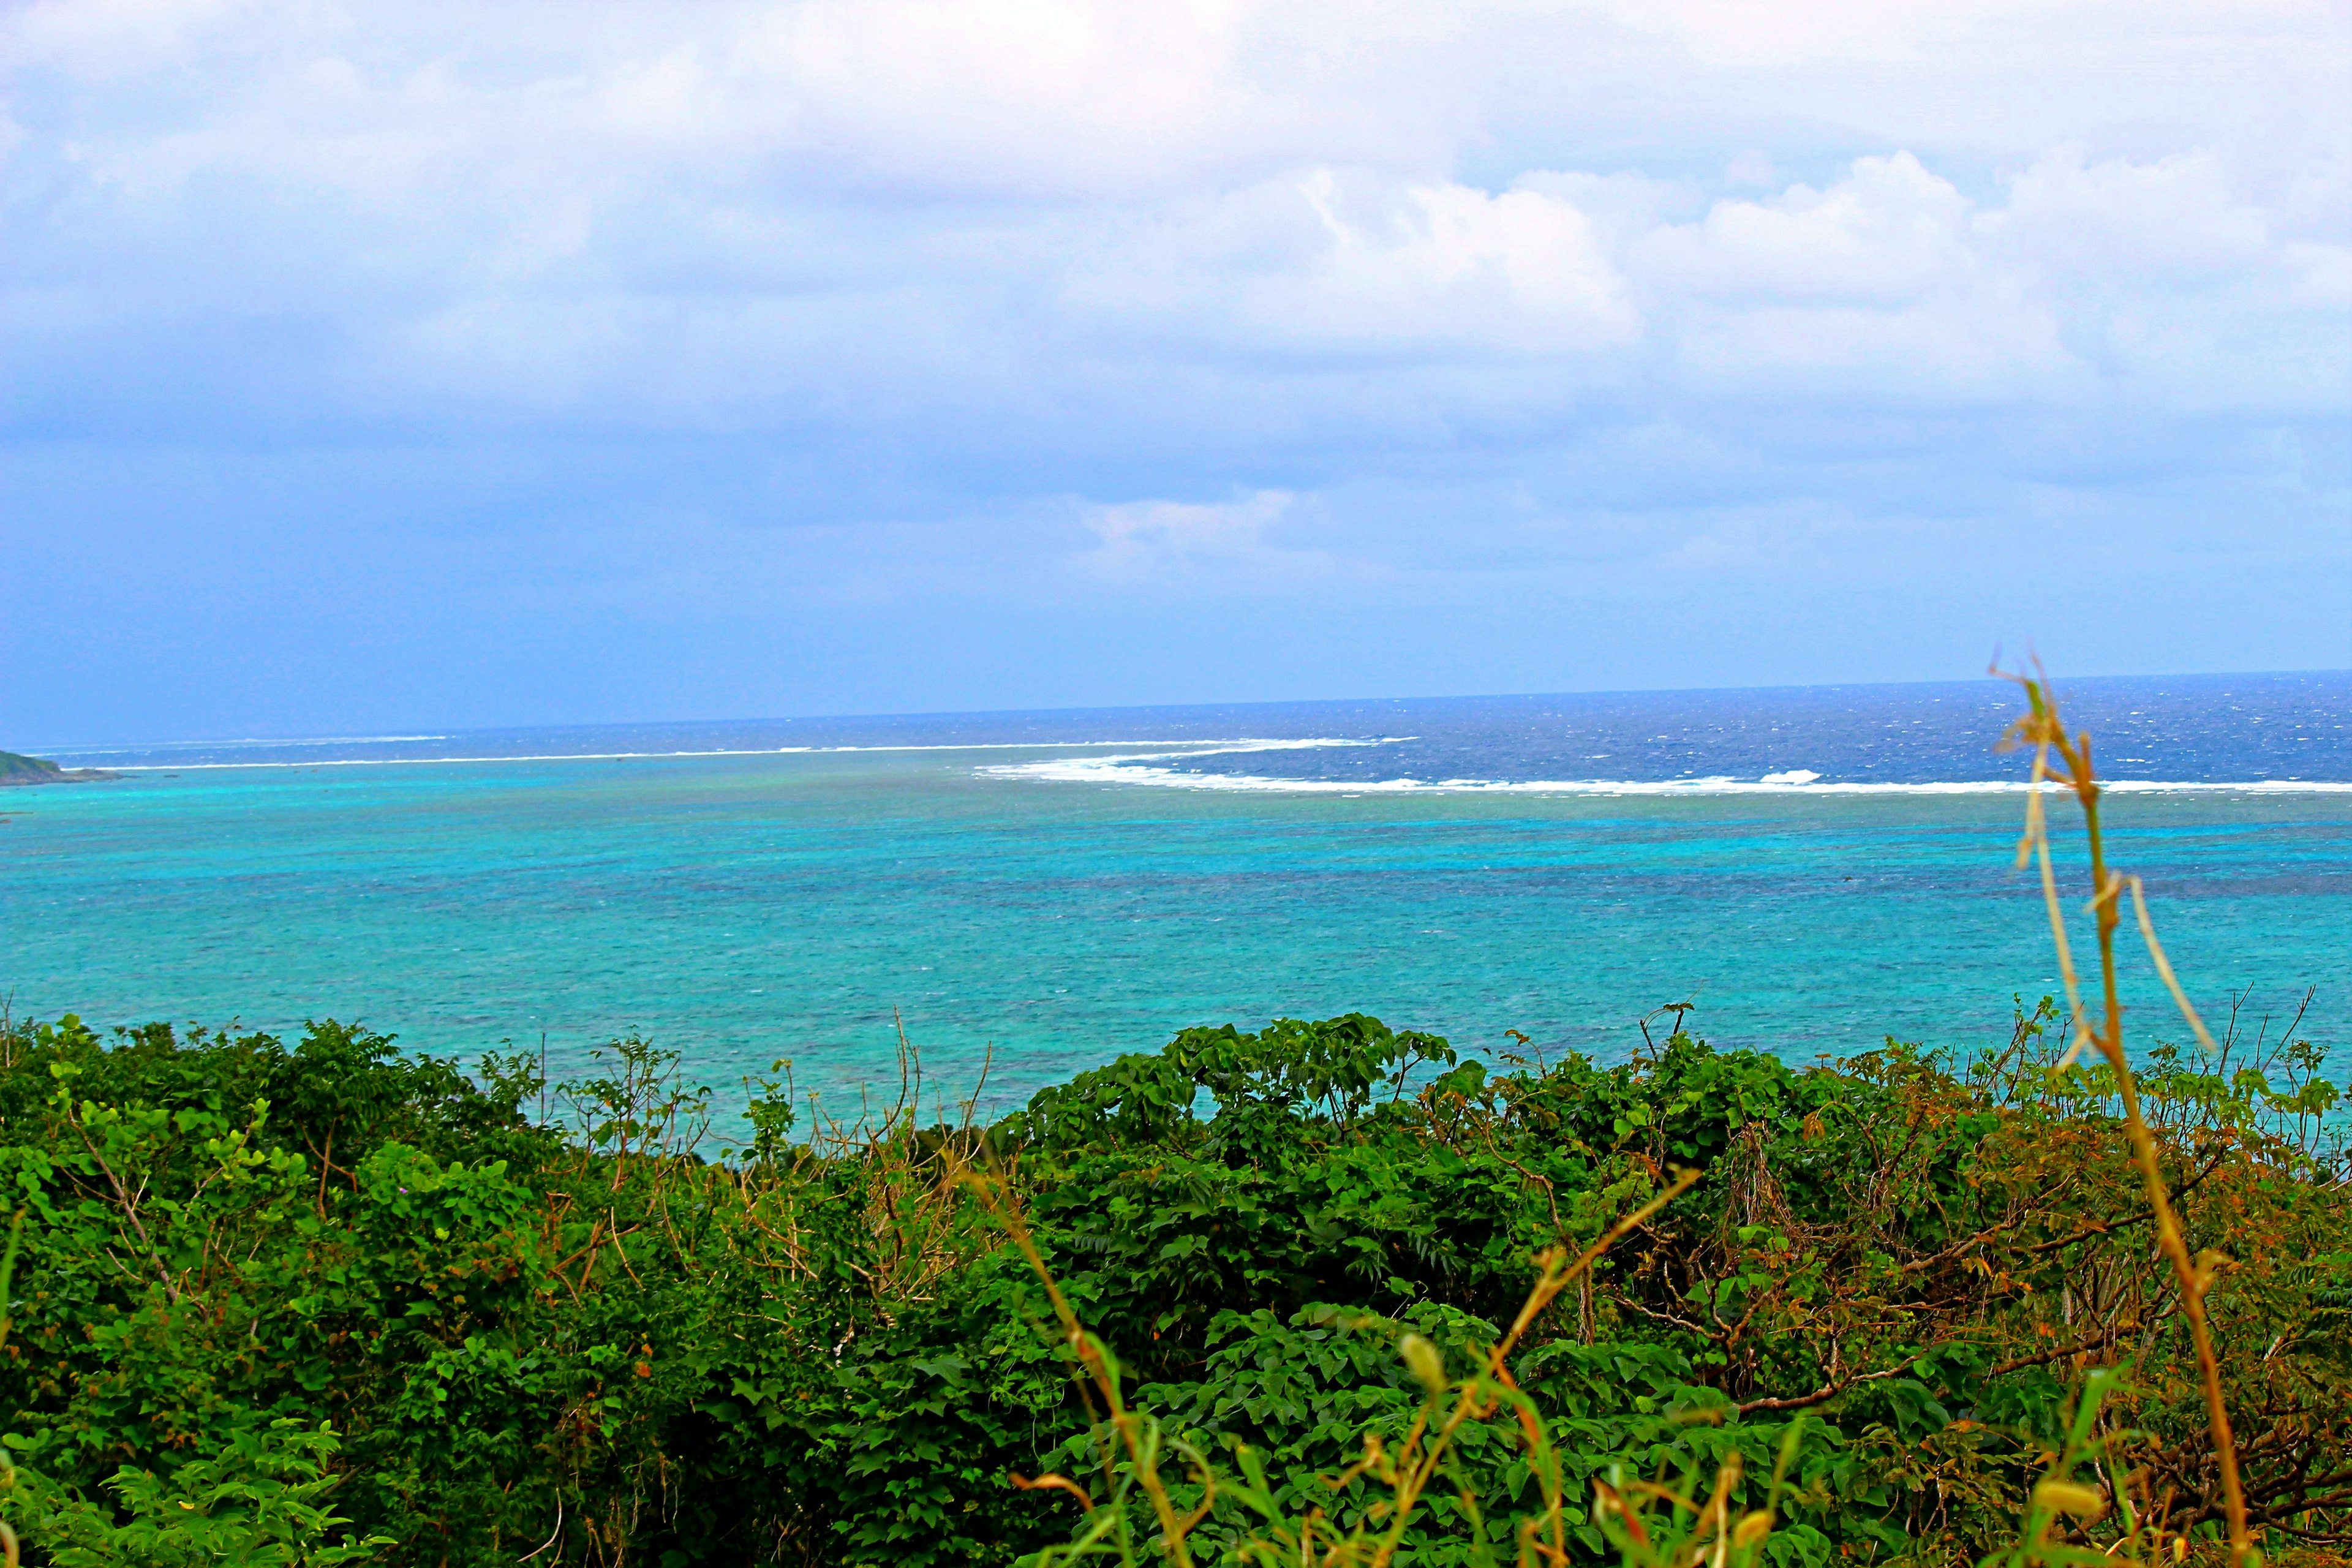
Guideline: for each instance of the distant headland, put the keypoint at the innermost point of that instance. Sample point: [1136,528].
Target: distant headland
[23,770]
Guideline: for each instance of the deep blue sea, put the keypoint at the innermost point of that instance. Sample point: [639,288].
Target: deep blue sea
[1814,868]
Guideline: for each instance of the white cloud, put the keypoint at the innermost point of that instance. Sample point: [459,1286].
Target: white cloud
[2322,275]
[719,213]
[1889,231]
[2174,219]
[1738,34]
[1165,543]
[1447,267]
[965,259]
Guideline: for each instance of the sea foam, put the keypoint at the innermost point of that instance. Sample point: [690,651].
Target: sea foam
[1151,769]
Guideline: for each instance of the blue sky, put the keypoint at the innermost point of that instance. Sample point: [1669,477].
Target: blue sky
[369,366]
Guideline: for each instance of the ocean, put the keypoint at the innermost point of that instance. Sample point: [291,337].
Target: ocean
[1029,894]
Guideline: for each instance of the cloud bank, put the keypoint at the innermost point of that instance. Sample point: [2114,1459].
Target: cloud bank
[586,361]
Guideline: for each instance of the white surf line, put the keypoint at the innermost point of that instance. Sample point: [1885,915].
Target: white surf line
[1122,769]
[1213,746]
[79,751]
[1797,782]
[2281,786]
[431,762]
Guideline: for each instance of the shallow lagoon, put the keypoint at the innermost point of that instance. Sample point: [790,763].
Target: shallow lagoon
[746,908]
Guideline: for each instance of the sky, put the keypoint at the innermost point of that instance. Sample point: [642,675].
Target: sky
[371,365]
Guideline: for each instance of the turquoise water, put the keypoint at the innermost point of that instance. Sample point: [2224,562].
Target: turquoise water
[1030,902]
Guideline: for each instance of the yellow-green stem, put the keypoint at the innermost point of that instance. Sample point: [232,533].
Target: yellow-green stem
[2107,914]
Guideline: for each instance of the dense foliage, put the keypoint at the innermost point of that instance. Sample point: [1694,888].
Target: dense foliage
[329,1302]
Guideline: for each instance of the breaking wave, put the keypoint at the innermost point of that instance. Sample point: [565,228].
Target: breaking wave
[1185,749]
[1158,769]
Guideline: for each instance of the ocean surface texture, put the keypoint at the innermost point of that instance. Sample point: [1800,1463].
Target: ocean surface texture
[1814,868]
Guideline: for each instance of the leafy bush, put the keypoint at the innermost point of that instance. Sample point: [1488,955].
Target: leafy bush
[259,1501]
[826,1350]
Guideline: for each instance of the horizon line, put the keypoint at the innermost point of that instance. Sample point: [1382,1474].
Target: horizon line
[451,733]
